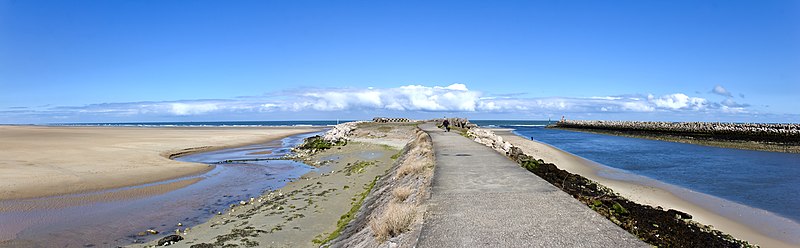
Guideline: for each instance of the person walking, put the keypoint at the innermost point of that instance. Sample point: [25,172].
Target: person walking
[446,125]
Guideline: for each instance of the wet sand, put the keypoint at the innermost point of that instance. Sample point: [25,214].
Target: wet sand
[704,208]
[39,161]
[309,207]
[306,209]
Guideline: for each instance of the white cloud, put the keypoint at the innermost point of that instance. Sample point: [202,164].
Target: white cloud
[732,104]
[719,90]
[456,98]
[678,101]
[637,106]
[192,108]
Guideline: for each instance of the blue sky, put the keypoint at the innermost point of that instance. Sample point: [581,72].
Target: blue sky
[119,61]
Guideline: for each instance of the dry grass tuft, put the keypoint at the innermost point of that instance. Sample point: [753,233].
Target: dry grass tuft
[419,158]
[401,193]
[412,166]
[395,220]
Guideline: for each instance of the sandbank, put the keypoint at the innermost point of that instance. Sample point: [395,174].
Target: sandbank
[38,161]
[740,221]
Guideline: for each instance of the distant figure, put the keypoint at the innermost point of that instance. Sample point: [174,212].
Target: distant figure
[563,119]
[531,137]
[446,125]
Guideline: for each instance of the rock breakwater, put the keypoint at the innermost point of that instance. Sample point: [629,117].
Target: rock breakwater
[780,137]
[340,132]
[490,139]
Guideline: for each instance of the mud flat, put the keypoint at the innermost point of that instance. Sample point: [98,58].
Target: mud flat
[775,137]
[37,161]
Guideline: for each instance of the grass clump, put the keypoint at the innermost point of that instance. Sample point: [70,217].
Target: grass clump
[396,219]
[401,193]
[410,169]
[347,217]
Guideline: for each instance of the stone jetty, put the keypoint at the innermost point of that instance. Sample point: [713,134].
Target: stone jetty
[390,120]
[786,133]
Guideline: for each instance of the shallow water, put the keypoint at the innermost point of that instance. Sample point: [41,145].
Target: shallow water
[764,180]
[105,219]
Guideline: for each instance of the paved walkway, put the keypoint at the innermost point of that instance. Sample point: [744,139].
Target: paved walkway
[483,199]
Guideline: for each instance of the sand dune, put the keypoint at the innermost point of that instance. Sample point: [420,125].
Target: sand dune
[38,161]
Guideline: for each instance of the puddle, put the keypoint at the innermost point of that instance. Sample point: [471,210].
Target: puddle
[370,155]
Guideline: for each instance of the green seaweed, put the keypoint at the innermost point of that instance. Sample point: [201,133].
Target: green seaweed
[397,155]
[530,164]
[316,143]
[347,217]
[618,209]
[358,167]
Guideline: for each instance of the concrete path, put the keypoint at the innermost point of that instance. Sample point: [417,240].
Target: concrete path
[483,199]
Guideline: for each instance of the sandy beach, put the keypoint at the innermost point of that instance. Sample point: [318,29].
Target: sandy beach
[666,196]
[37,161]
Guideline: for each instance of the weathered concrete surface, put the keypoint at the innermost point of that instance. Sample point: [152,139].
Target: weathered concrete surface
[480,198]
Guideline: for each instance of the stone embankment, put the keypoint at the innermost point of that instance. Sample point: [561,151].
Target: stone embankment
[776,132]
[391,214]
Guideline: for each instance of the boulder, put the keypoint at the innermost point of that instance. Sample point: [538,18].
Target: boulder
[340,132]
[679,214]
[168,240]
[488,138]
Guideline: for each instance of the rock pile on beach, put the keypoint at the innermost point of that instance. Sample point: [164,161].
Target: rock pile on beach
[340,132]
[490,139]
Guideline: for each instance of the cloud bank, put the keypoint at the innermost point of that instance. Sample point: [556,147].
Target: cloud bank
[451,99]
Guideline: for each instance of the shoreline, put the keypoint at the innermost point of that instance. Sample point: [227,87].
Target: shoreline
[655,193]
[95,159]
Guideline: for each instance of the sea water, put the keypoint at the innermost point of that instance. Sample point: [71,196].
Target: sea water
[764,180]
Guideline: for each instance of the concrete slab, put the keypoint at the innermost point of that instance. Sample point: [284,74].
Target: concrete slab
[481,198]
